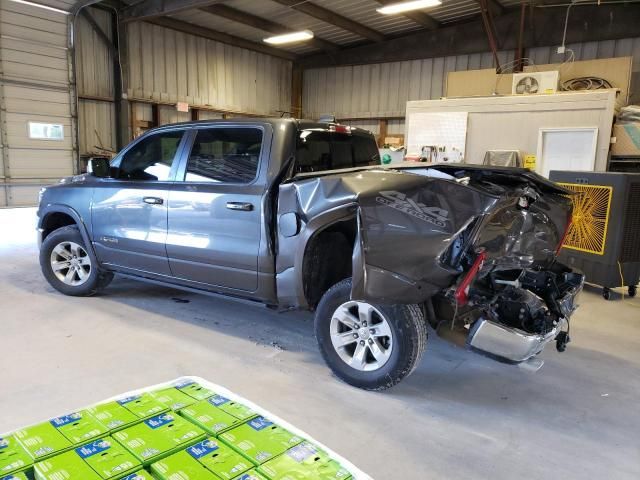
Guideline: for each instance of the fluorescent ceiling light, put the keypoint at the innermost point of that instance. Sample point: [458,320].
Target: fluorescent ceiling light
[290,37]
[39,5]
[401,7]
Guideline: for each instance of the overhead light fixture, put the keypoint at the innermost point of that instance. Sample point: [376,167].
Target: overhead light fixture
[290,37]
[39,5]
[402,7]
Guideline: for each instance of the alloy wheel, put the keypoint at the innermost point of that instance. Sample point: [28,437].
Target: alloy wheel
[361,335]
[70,263]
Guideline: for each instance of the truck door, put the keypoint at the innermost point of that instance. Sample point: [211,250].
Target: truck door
[129,212]
[215,208]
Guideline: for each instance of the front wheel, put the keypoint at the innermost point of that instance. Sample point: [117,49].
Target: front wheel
[368,345]
[67,265]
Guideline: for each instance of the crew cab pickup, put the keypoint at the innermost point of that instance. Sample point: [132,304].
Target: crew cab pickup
[300,214]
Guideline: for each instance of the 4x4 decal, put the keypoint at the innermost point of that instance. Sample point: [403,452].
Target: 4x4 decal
[399,201]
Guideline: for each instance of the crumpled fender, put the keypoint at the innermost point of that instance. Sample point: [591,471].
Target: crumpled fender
[405,223]
[404,229]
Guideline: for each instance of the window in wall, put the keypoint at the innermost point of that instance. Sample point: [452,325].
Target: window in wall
[225,155]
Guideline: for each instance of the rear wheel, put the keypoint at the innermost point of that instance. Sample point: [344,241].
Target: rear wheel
[368,345]
[67,265]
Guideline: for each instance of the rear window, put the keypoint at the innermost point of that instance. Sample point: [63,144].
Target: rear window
[321,150]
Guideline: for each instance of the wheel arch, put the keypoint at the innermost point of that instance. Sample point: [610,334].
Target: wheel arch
[322,236]
[55,216]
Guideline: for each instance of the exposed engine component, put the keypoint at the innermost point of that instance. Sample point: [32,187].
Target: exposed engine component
[522,309]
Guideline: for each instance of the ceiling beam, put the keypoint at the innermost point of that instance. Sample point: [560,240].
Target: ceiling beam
[148,9]
[417,16]
[245,18]
[586,23]
[332,18]
[221,37]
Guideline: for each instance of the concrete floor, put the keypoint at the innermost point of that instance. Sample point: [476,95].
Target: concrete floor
[459,416]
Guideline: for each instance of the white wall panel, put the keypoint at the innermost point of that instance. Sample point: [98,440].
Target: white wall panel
[382,90]
[34,88]
[170,66]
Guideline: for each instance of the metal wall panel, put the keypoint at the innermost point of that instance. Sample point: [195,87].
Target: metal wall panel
[170,66]
[382,90]
[34,88]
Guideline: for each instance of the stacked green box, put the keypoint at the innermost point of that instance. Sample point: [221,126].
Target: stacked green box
[209,417]
[250,475]
[235,409]
[13,457]
[159,436]
[181,466]
[108,458]
[194,390]
[113,416]
[15,476]
[139,475]
[260,440]
[143,405]
[67,465]
[304,462]
[42,440]
[79,427]
[173,398]
[222,460]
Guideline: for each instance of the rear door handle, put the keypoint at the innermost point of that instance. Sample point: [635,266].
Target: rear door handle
[153,200]
[247,207]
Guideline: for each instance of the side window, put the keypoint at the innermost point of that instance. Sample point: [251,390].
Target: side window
[225,155]
[151,158]
[365,151]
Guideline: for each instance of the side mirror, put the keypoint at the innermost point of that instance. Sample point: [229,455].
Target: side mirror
[99,167]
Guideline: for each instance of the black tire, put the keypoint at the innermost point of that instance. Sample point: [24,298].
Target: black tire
[606,293]
[408,328]
[97,278]
[633,290]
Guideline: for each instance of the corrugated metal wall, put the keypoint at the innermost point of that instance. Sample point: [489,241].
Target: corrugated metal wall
[382,90]
[94,76]
[34,88]
[169,66]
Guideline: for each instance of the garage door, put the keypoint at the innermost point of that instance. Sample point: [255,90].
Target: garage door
[37,125]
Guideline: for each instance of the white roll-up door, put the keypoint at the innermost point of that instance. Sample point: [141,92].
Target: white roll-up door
[37,122]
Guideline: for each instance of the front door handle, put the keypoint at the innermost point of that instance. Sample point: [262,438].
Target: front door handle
[153,200]
[247,207]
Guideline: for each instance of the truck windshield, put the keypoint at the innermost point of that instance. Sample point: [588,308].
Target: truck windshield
[320,150]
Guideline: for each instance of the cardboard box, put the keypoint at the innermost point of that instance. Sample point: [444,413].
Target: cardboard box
[212,419]
[15,476]
[79,427]
[222,460]
[113,416]
[173,398]
[139,475]
[159,436]
[67,465]
[108,458]
[143,406]
[250,475]
[13,456]
[42,440]
[235,409]
[627,137]
[304,461]
[181,466]
[260,440]
[194,389]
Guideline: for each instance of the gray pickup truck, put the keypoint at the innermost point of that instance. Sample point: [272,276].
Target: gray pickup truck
[299,214]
